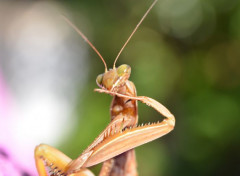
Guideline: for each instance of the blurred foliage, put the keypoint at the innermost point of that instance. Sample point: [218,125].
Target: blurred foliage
[185,55]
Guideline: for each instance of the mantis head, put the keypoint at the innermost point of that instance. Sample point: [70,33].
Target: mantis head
[114,78]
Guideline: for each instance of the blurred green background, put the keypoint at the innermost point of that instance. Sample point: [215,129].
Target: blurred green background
[186,55]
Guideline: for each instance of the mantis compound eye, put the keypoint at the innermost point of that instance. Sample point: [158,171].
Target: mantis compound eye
[99,79]
[123,69]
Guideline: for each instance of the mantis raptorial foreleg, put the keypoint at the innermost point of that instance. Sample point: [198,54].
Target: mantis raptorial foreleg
[148,101]
[120,142]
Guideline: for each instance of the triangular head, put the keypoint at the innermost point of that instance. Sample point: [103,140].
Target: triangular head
[114,78]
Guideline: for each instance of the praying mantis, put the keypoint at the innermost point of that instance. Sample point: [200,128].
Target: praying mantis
[115,145]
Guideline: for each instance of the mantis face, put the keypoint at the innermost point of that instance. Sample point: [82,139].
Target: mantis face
[114,78]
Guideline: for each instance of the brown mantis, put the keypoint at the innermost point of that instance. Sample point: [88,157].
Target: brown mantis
[115,145]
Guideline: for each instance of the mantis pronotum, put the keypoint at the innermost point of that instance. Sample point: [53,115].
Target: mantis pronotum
[115,145]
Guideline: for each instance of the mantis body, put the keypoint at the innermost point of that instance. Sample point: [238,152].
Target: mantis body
[115,145]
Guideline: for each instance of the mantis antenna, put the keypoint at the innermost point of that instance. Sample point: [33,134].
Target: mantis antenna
[144,16]
[86,39]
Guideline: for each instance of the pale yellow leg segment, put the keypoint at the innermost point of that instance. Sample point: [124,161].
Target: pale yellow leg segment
[39,163]
[46,155]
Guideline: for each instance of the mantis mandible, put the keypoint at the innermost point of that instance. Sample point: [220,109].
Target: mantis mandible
[115,145]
